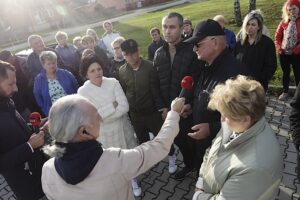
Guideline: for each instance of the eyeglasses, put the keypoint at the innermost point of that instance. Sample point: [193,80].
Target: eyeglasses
[115,48]
[197,45]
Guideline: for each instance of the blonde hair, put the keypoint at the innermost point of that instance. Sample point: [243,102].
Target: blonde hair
[118,40]
[106,22]
[76,39]
[92,33]
[238,98]
[87,39]
[60,34]
[254,14]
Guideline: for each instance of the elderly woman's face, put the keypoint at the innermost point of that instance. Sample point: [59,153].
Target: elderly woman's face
[237,126]
[95,74]
[108,27]
[50,66]
[62,40]
[252,27]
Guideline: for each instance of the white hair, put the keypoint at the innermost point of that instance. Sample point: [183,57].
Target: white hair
[66,116]
[32,37]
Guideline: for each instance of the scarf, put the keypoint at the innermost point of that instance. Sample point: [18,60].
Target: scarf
[78,160]
[290,36]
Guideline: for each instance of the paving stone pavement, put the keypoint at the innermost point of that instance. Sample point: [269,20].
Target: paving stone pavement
[157,184]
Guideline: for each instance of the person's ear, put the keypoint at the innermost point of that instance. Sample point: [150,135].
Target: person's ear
[84,135]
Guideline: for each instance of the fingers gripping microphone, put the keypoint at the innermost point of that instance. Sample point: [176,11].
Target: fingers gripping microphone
[186,84]
[35,121]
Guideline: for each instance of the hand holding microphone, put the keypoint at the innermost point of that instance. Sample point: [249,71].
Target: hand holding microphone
[36,140]
[35,121]
[186,84]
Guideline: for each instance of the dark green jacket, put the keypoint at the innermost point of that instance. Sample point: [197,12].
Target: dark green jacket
[136,85]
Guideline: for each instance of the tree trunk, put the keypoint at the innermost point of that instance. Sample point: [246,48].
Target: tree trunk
[237,13]
[252,5]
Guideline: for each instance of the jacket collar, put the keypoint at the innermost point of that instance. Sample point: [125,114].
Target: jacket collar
[178,46]
[219,59]
[253,131]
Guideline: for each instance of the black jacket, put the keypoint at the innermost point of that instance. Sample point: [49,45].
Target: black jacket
[15,152]
[295,118]
[136,85]
[260,59]
[225,66]
[166,78]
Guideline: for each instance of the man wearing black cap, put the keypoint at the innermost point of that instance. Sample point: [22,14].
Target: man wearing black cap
[209,42]
[173,61]
[135,78]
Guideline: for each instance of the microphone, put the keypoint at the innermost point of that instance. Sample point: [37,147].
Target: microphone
[186,84]
[35,121]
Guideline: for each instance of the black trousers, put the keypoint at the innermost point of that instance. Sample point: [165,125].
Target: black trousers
[185,143]
[286,61]
[145,123]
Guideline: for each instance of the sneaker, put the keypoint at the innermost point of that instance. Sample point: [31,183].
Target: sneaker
[172,164]
[137,191]
[151,136]
[183,173]
[283,96]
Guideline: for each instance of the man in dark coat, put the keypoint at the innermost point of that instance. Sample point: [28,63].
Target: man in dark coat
[209,42]
[172,62]
[157,42]
[21,160]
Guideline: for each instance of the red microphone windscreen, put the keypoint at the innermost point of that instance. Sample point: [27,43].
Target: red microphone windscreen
[35,118]
[187,83]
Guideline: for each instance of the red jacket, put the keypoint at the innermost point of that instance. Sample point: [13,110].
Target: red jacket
[279,36]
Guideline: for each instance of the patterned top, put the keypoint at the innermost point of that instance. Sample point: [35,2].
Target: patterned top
[55,90]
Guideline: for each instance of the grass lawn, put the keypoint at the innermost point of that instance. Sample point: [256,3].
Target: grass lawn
[138,28]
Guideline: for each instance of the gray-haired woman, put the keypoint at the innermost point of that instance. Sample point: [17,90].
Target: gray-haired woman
[52,83]
[81,168]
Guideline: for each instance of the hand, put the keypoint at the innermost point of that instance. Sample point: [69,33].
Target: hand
[115,104]
[177,104]
[43,121]
[201,131]
[186,110]
[164,112]
[37,140]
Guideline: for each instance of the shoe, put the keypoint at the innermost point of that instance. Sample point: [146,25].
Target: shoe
[283,96]
[137,191]
[172,164]
[183,173]
[151,136]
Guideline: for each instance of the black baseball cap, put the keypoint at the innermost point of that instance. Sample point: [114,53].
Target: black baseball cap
[205,28]
[129,46]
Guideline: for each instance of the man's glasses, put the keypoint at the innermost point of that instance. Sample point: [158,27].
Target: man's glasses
[197,45]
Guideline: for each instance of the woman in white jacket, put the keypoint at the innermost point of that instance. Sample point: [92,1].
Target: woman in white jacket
[111,103]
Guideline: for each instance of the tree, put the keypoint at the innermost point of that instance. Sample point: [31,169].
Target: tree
[252,5]
[237,13]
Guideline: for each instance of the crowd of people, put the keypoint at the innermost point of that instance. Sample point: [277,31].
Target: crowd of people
[102,104]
